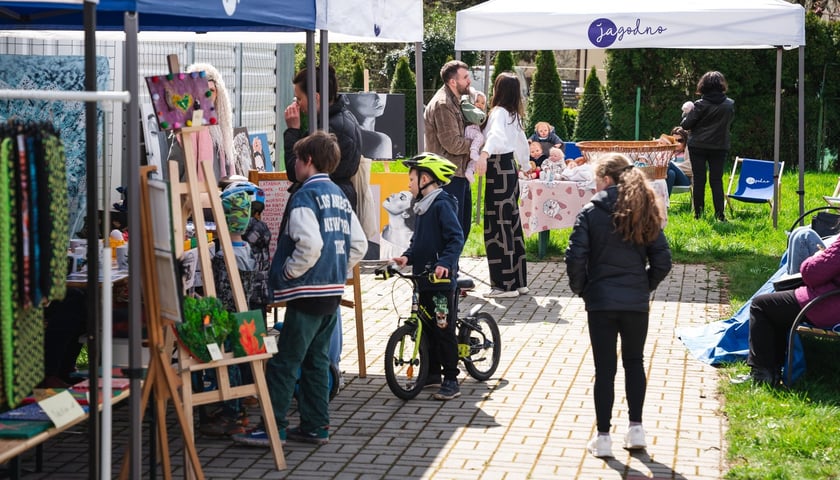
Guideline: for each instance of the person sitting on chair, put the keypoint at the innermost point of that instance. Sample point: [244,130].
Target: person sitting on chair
[772,314]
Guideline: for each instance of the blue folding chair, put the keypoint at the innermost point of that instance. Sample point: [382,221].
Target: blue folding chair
[571,150]
[755,182]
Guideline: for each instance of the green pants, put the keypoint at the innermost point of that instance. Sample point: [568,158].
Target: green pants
[303,346]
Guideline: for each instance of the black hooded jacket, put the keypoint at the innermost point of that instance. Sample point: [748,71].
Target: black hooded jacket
[349,135]
[609,273]
[708,123]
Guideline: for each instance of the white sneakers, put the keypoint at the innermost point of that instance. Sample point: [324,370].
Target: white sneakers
[523,290]
[601,445]
[634,439]
[499,293]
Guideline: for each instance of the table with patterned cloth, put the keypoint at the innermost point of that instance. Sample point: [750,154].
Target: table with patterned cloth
[551,205]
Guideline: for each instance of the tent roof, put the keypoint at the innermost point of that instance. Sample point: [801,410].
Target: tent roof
[566,25]
[180,15]
[357,20]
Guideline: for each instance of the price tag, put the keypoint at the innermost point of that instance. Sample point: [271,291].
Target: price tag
[215,351]
[62,408]
[270,342]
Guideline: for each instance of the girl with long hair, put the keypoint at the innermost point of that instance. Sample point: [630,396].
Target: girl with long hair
[617,256]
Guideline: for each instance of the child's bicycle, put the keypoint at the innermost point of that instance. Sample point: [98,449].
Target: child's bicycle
[406,359]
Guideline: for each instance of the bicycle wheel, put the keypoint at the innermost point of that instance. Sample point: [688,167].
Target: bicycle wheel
[481,335]
[405,375]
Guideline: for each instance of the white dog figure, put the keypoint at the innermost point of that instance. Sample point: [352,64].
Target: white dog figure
[396,236]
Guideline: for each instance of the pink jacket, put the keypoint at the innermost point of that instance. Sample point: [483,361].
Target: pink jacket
[821,274]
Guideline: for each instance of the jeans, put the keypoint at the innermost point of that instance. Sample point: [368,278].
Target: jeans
[604,329]
[803,242]
[676,177]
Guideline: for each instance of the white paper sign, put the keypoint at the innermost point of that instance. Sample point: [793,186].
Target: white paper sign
[62,408]
[215,351]
[270,342]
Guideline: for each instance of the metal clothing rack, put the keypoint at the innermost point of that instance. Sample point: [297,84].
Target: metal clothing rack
[99,462]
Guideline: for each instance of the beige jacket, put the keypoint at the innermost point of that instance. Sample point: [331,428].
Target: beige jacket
[445,129]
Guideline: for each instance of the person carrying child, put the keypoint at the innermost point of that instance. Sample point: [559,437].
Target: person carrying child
[320,241]
[437,243]
[473,108]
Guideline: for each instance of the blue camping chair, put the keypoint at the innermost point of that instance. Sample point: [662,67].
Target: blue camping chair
[571,150]
[755,182]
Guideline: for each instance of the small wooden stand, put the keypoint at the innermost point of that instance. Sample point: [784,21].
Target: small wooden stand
[188,196]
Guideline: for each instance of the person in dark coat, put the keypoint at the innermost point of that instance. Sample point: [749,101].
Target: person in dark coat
[708,123]
[342,123]
[617,255]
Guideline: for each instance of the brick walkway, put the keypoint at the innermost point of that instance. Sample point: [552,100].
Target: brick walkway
[532,420]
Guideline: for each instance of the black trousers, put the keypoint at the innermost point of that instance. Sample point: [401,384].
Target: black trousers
[715,159]
[443,346]
[771,316]
[604,329]
[459,187]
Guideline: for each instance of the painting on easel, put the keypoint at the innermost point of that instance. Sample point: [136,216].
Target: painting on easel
[176,96]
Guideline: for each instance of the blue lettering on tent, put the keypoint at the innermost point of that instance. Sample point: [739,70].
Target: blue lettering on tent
[603,32]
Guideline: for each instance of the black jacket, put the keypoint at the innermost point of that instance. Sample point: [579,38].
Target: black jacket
[437,240]
[346,129]
[609,273]
[708,123]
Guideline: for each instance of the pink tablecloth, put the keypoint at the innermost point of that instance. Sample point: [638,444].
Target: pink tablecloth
[553,205]
[550,205]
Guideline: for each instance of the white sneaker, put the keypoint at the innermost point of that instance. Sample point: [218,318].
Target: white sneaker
[634,439]
[600,446]
[499,293]
[523,290]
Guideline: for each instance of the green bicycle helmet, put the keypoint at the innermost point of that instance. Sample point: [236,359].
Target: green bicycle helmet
[438,167]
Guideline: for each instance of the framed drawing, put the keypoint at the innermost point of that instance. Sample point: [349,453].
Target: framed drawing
[243,158]
[262,152]
[162,221]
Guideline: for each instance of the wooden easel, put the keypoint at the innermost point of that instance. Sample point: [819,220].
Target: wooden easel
[256,177]
[187,195]
[160,377]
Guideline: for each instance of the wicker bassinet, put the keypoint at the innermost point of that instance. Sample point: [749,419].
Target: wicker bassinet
[651,157]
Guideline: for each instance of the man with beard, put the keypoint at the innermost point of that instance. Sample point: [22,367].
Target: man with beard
[445,133]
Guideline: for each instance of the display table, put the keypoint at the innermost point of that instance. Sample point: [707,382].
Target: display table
[546,206]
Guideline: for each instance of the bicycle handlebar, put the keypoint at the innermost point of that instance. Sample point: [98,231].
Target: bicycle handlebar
[392,269]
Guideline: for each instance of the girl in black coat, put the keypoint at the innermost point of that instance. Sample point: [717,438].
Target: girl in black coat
[617,255]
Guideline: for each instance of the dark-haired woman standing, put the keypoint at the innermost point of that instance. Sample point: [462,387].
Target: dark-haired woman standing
[708,124]
[505,148]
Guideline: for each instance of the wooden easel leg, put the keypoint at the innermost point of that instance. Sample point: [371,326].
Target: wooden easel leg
[258,369]
[360,324]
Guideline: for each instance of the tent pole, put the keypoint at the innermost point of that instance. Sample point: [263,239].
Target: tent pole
[310,77]
[94,313]
[776,133]
[325,81]
[132,167]
[801,149]
[487,75]
[418,97]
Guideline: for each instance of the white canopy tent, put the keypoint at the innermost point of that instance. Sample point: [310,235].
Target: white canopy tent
[552,25]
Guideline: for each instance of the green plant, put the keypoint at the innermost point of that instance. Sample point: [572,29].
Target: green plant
[502,63]
[545,103]
[592,118]
[205,321]
[570,116]
[358,82]
[404,82]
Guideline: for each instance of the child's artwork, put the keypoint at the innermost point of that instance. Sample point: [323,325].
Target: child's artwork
[262,154]
[176,96]
[243,158]
[250,333]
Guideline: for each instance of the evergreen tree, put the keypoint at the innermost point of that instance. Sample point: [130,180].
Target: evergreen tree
[502,63]
[404,82]
[358,82]
[545,103]
[592,118]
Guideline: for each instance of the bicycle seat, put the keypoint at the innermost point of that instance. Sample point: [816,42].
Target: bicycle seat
[466,283]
